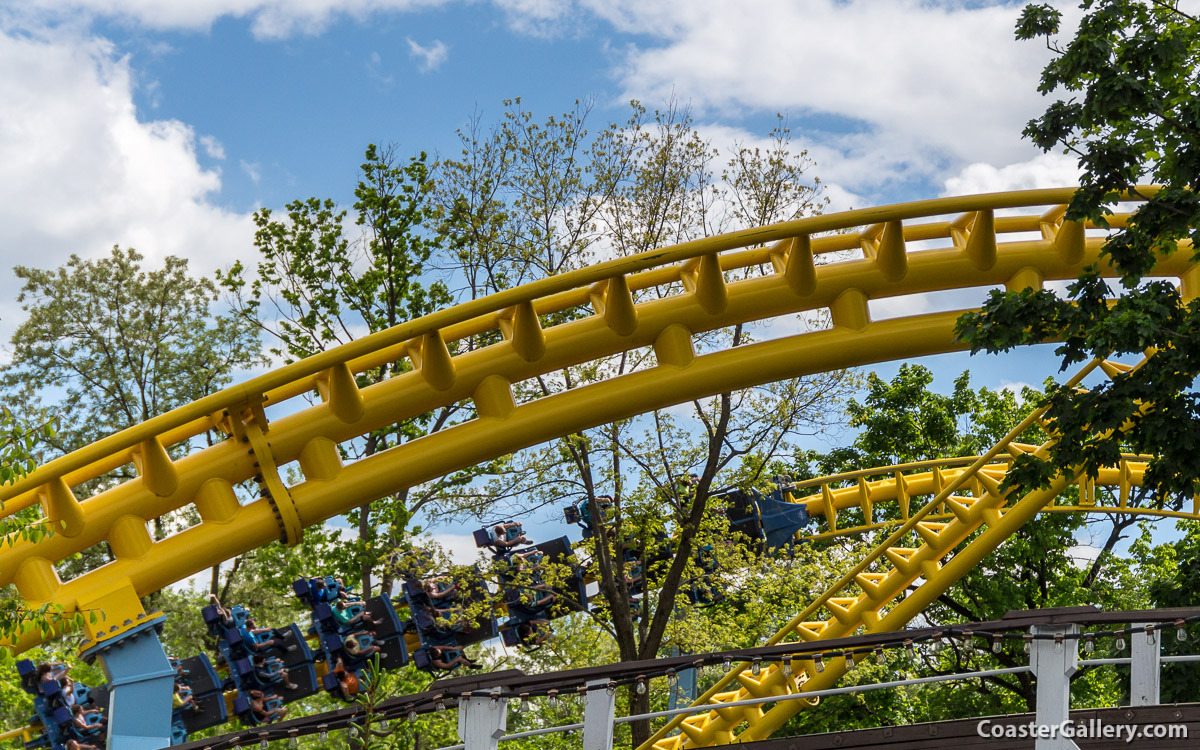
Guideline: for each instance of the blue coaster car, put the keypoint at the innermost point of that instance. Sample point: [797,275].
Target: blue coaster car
[207,692]
[352,634]
[63,709]
[324,589]
[530,602]
[275,663]
[500,537]
[769,521]
[440,625]
[580,514]
[272,709]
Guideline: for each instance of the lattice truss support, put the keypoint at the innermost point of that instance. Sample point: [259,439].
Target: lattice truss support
[658,300]
[901,576]
[881,498]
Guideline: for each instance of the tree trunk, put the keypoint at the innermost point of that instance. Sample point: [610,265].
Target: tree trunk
[364,530]
[364,525]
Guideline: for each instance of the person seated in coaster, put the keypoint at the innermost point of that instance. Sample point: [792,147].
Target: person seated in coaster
[86,723]
[527,560]
[441,590]
[329,589]
[447,658]
[538,596]
[705,593]
[258,639]
[451,619]
[73,744]
[344,614]
[271,669]
[507,535]
[348,682]
[409,565]
[183,698]
[265,710]
[342,591]
[57,672]
[604,503]
[52,672]
[633,574]
[223,612]
[360,645]
[534,633]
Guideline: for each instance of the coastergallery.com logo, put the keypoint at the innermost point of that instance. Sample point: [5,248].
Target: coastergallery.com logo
[1090,729]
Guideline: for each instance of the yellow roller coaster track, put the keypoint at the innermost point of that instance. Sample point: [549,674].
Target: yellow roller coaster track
[847,504]
[660,299]
[928,551]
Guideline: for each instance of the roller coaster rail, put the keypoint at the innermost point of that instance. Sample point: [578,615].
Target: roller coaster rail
[857,495]
[873,254]
[703,300]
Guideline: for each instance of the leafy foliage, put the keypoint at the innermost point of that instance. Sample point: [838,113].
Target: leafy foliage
[19,442]
[315,287]
[114,343]
[529,199]
[1129,110]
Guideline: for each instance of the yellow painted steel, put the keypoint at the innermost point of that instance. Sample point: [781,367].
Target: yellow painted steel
[901,576]
[849,503]
[25,734]
[659,299]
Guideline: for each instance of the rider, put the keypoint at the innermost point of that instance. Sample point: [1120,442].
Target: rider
[265,714]
[501,533]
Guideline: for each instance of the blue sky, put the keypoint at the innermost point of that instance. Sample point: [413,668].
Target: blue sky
[164,125]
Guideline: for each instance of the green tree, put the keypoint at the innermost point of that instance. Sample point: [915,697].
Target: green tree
[1172,574]
[1127,105]
[529,199]
[315,287]
[109,343]
[114,343]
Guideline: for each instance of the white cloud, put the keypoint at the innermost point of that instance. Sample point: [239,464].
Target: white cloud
[252,170]
[212,147]
[428,58]
[727,140]
[1083,555]
[1015,386]
[459,547]
[80,172]
[536,17]
[904,90]
[375,69]
[1042,171]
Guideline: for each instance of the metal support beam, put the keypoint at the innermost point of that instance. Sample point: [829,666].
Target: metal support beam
[1145,669]
[1053,663]
[142,682]
[599,710]
[481,721]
